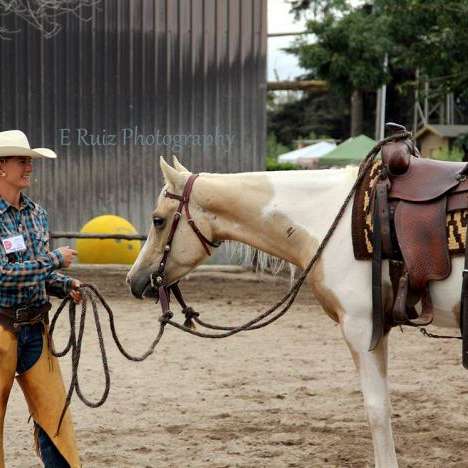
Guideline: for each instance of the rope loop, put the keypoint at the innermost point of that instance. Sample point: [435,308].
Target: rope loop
[91,295]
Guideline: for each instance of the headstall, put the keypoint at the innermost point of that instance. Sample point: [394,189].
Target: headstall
[158,277]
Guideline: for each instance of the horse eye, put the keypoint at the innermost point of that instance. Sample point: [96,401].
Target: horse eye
[158,223]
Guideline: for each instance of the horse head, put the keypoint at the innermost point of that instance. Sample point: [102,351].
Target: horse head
[179,238]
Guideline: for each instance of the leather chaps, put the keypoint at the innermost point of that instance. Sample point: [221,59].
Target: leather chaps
[44,392]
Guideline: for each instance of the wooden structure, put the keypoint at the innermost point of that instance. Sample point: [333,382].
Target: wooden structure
[433,139]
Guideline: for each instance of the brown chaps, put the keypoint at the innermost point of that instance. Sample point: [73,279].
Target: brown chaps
[44,392]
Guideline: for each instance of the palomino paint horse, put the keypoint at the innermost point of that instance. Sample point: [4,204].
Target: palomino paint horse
[286,214]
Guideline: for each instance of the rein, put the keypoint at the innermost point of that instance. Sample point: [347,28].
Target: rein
[92,295]
[269,316]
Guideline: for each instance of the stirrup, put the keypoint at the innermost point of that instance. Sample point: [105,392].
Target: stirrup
[427,313]
[399,312]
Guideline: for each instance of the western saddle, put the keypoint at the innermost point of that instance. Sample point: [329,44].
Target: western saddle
[410,204]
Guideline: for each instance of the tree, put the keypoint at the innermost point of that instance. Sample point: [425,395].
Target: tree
[348,52]
[324,115]
[319,7]
[43,14]
[426,35]
[431,36]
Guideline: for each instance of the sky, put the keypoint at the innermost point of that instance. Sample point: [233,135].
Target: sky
[280,20]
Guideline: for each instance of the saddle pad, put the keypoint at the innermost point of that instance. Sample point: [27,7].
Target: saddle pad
[362,220]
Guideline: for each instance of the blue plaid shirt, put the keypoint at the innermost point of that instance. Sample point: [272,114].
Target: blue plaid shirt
[28,277]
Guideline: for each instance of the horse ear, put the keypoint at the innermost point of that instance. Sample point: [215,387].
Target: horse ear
[171,176]
[179,166]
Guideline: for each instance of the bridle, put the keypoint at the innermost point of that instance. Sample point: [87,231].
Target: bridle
[158,278]
[274,312]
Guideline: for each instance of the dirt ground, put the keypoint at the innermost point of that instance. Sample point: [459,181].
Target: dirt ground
[283,396]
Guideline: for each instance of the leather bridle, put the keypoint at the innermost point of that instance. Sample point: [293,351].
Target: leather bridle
[158,278]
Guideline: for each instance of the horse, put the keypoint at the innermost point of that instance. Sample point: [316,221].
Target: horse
[286,214]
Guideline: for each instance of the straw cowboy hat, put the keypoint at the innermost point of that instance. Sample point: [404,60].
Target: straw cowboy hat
[15,143]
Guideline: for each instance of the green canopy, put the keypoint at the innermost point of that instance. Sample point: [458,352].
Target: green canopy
[352,151]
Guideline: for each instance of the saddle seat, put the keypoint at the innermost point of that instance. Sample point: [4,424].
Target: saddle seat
[427,179]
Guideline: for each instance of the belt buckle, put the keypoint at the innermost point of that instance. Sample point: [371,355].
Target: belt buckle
[19,317]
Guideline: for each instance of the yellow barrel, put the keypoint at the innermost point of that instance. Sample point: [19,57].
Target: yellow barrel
[108,250]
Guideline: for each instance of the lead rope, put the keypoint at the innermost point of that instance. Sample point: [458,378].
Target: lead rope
[424,332]
[90,293]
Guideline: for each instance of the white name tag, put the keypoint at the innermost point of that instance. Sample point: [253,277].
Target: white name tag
[14,244]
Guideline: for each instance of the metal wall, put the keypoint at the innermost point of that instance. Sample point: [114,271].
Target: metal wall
[190,75]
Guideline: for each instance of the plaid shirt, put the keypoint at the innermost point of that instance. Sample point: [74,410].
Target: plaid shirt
[28,277]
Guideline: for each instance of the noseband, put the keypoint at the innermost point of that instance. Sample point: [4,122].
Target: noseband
[158,278]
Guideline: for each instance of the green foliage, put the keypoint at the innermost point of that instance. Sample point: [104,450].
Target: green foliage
[319,6]
[428,35]
[274,149]
[462,142]
[319,115]
[431,35]
[348,47]
[453,154]
[348,51]
[272,165]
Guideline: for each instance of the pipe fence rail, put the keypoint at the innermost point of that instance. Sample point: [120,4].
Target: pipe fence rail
[103,236]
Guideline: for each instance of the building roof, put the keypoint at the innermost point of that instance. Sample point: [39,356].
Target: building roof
[351,151]
[307,153]
[447,131]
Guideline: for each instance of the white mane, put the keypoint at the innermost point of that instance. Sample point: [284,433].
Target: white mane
[246,255]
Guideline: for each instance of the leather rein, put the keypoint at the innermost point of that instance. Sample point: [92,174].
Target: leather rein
[157,280]
[159,283]
[274,312]
[282,306]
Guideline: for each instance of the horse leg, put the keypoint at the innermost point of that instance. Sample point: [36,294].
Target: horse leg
[372,367]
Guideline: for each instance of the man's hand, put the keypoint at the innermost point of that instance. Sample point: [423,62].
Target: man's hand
[75,293]
[67,254]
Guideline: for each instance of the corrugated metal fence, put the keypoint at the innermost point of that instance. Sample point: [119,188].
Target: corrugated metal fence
[143,78]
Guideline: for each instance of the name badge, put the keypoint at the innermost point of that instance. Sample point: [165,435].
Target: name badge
[14,244]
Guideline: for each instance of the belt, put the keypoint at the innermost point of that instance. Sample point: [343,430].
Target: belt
[13,318]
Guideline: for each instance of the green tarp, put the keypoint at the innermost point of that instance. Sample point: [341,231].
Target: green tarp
[351,151]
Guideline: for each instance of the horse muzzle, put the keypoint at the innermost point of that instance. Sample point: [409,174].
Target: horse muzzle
[141,287]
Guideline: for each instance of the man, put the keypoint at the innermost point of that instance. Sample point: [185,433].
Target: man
[27,275]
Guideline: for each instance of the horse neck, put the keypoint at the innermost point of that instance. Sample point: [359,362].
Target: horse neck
[285,214]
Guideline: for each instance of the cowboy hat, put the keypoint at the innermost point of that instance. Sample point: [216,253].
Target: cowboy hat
[15,143]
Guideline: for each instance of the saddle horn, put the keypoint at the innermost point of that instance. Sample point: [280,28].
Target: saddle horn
[393,128]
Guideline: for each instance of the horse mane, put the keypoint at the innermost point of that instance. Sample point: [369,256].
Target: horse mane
[244,254]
